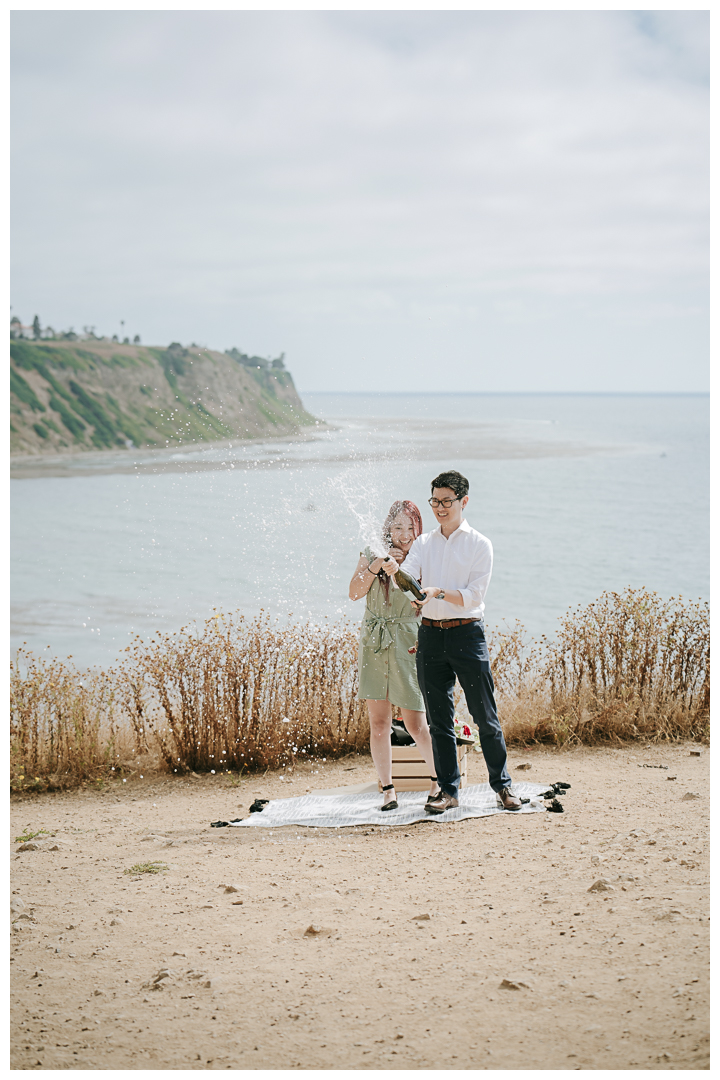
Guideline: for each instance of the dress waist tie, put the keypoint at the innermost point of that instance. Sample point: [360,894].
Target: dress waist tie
[380,637]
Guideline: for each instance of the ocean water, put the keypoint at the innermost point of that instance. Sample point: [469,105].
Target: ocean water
[578,493]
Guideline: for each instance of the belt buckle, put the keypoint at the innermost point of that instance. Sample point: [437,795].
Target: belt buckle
[442,624]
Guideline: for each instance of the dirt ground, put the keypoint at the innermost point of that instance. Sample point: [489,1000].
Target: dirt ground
[604,980]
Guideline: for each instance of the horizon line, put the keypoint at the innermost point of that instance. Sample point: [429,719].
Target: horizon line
[514,393]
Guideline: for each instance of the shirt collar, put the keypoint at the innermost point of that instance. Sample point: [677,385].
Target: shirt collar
[462,527]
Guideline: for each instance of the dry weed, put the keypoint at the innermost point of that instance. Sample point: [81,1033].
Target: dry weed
[628,666]
[246,694]
[63,724]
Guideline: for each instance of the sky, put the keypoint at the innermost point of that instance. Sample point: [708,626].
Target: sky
[398,201]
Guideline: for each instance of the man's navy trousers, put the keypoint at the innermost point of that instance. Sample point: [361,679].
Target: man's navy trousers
[442,656]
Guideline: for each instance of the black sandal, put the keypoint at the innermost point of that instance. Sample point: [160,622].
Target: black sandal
[432,798]
[393,804]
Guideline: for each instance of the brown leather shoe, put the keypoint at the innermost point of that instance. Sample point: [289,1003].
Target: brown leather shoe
[508,798]
[436,796]
[441,804]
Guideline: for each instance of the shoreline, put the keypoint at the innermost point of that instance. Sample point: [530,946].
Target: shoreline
[145,460]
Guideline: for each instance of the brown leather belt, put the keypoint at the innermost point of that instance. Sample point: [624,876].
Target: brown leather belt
[445,624]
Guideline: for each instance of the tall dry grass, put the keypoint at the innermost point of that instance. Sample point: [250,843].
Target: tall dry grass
[245,694]
[239,694]
[628,666]
[63,723]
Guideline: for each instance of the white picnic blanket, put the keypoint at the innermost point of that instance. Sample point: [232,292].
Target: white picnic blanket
[336,810]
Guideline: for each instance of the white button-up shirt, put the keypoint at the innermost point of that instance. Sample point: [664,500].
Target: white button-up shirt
[463,561]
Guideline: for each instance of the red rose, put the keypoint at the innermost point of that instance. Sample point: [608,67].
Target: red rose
[466,730]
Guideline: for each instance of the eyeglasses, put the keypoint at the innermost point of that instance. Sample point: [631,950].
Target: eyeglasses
[447,503]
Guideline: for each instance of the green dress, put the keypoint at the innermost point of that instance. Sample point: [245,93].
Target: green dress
[388,630]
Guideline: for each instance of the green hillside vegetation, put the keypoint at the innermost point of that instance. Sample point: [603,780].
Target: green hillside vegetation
[99,394]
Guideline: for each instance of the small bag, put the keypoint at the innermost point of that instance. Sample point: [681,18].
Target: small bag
[399,734]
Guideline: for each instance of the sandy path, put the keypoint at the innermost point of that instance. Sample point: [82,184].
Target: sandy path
[616,980]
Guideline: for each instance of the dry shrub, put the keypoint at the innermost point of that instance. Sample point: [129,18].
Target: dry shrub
[519,689]
[63,726]
[249,694]
[630,665]
[514,659]
[246,694]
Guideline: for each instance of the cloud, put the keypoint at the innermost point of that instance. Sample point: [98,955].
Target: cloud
[364,189]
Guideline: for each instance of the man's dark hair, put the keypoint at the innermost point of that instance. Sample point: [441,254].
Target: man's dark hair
[453,480]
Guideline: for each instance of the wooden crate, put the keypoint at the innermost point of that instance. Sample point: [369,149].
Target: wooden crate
[410,773]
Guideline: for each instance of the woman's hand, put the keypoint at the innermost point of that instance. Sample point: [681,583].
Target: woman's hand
[397,554]
[390,565]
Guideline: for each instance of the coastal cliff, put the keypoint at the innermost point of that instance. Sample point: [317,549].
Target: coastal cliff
[99,394]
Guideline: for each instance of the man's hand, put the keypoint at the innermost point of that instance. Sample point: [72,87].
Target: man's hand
[453,596]
[430,592]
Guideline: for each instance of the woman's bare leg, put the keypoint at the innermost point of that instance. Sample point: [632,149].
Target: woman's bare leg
[417,727]
[380,713]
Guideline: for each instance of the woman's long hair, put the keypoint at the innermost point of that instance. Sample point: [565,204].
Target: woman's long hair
[400,506]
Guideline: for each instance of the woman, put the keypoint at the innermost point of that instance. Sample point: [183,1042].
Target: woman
[387,648]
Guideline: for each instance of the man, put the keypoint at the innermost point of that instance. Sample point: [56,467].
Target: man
[454,563]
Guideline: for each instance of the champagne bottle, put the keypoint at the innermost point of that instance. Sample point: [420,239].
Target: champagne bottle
[408,584]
